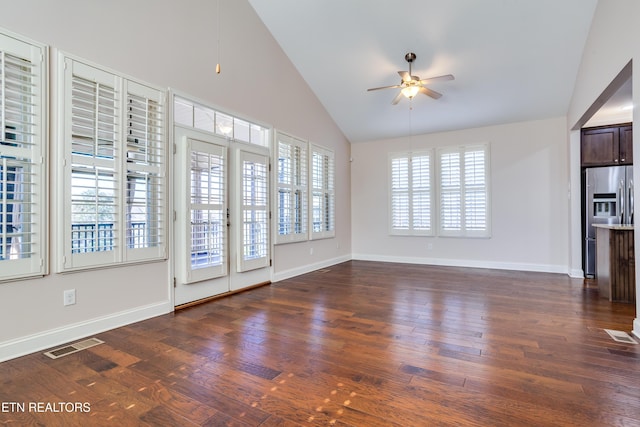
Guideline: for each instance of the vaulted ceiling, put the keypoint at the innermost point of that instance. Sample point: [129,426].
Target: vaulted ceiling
[513,60]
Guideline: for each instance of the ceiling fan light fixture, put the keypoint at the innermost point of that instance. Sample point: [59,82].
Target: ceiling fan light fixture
[410,91]
[411,85]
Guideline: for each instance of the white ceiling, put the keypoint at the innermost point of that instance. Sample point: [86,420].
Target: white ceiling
[513,60]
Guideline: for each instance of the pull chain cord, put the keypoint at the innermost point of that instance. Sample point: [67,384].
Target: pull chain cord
[410,129]
[218,29]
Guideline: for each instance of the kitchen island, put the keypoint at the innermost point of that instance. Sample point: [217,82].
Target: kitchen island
[615,262]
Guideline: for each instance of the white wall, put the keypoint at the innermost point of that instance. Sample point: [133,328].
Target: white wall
[529,180]
[612,43]
[169,44]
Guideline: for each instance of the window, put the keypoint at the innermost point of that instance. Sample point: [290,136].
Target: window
[464,191]
[22,153]
[411,194]
[322,193]
[462,205]
[191,114]
[291,173]
[114,174]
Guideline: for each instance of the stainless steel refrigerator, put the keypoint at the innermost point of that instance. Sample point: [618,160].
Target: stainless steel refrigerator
[608,200]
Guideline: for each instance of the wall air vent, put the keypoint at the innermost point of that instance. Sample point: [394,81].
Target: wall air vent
[73,348]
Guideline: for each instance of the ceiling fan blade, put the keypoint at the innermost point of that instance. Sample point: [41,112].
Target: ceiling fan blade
[430,92]
[383,87]
[397,98]
[406,76]
[437,79]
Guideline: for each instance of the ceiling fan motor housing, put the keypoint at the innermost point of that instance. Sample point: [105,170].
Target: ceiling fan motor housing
[410,57]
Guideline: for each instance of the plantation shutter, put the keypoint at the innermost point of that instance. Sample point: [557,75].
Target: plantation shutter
[22,167]
[202,255]
[400,212]
[322,193]
[475,191]
[291,173]
[92,223]
[145,175]
[253,251]
[114,168]
[411,194]
[464,191]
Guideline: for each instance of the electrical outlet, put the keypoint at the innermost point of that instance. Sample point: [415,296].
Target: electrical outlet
[311,251]
[429,246]
[69,297]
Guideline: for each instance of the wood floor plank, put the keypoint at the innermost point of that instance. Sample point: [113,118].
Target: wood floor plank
[356,344]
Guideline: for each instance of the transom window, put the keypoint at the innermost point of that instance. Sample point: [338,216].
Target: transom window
[192,114]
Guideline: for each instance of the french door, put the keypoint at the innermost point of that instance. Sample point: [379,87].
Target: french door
[221,204]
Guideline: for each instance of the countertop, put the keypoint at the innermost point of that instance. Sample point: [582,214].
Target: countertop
[614,226]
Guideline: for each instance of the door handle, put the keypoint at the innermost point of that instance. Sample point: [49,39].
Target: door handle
[631,207]
[621,198]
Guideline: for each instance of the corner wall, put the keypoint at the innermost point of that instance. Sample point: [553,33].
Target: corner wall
[612,43]
[528,180]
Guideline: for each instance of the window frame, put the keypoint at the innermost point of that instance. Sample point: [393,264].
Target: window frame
[32,154]
[120,161]
[297,183]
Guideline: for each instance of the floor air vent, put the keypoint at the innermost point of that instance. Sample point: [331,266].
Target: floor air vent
[73,348]
[620,336]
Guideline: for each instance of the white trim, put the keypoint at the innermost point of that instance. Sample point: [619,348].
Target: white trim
[288,274]
[54,337]
[542,268]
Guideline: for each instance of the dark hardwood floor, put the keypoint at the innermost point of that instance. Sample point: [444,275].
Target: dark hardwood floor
[356,344]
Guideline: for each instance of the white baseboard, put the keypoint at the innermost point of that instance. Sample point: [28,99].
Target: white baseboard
[542,268]
[636,328]
[287,274]
[576,273]
[55,337]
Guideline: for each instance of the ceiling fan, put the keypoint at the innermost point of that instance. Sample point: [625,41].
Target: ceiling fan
[411,85]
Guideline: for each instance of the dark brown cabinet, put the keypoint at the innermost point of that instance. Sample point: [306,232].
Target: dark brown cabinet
[626,145]
[607,145]
[616,267]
